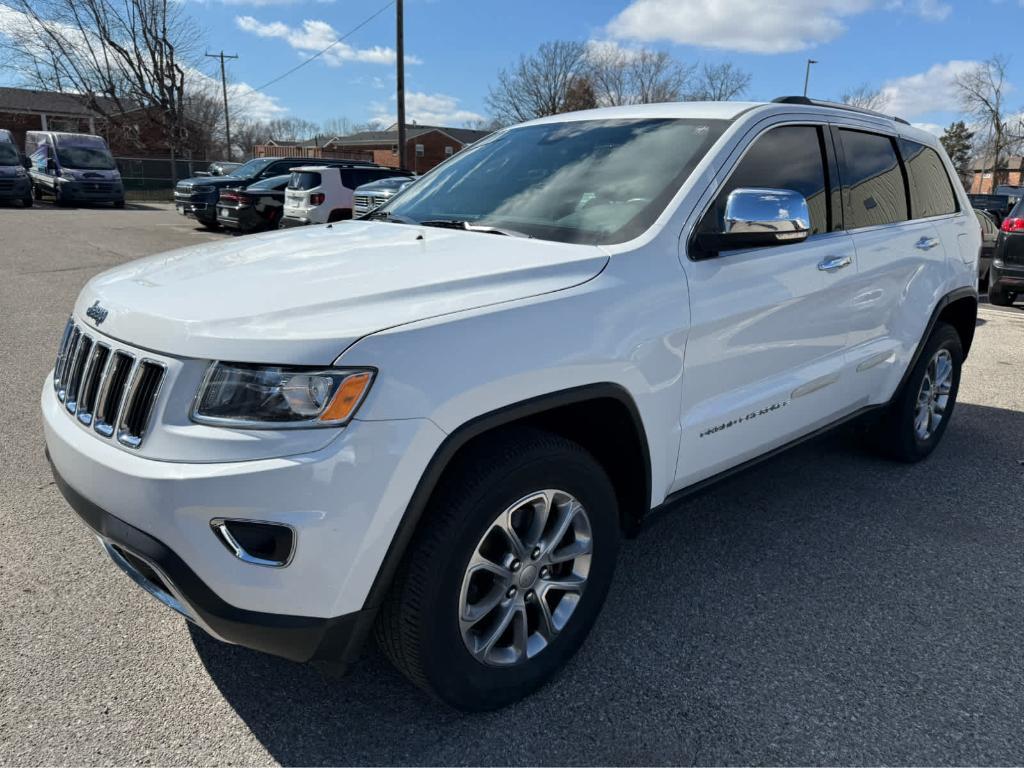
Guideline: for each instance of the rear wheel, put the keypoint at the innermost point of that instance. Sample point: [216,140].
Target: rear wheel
[507,573]
[921,410]
[119,203]
[1000,296]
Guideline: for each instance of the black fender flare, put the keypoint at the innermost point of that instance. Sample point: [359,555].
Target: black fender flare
[473,428]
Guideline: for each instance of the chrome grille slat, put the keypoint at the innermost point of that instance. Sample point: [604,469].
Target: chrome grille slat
[94,372]
[111,390]
[69,357]
[111,394]
[137,404]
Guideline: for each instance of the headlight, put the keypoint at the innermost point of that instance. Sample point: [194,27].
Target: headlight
[69,175]
[20,173]
[273,397]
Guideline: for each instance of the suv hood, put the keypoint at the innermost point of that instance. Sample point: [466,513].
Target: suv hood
[303,296]
[216,181]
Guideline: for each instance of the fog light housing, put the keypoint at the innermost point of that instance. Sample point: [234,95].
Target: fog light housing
[256,542]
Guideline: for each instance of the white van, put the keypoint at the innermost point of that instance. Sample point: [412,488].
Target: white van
[73,168]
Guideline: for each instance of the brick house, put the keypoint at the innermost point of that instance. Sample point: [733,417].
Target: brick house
[22,110]
[425,145]
[982,181]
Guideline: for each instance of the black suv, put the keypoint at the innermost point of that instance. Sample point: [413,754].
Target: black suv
[1006,275]
[198,196]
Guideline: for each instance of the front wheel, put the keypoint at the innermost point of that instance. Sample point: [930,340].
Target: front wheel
[921,410]
[507,573]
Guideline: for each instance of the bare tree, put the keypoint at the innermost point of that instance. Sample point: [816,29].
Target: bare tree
[621,76]
[864,97]
[127,59]
[982,91]
[547,82]
[293,129]
[718,82]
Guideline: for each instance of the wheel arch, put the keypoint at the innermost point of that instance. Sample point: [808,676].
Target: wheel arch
[574,413]
[959,308]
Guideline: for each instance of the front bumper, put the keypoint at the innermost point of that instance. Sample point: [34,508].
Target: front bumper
[246,219]
[344,502]
[15,189]
[161,572]
[203,209]
[91,191]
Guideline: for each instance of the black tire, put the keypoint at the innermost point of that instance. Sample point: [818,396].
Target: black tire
[213,226]
[896,434]
[418,628]
[999,296]
[119,203]
[37,193]
[26,202]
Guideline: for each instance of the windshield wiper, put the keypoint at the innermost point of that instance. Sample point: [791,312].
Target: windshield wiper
[468,226]
[386,216]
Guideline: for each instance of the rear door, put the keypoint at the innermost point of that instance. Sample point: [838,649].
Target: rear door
[764,359]
[901,253]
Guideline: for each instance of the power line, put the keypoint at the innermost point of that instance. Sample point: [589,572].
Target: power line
[318,54]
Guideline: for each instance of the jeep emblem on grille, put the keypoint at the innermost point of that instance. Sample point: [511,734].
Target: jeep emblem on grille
[97,313]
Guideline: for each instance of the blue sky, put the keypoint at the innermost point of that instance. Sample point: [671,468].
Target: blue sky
[912,48]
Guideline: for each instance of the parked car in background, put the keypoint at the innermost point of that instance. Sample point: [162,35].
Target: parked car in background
[254,208]
[996,205]
[376,193]
[1006,274]
[435,424]
[14,181]
[73,168]
[197,197]
[989,235]
[318,194]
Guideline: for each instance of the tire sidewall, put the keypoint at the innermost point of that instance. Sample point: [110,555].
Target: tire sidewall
[454,674]
[944,337]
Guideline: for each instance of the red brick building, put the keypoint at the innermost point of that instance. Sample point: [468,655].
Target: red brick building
[983,181]
[22,110]
[425,145]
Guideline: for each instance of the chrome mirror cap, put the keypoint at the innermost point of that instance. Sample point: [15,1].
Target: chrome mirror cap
[782,213]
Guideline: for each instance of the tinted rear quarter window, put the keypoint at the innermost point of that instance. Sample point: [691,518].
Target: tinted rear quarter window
[931,191]
[304,180]
[787,157]
[872,180]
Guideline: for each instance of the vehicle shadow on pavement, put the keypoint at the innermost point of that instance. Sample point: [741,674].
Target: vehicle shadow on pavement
[825,607]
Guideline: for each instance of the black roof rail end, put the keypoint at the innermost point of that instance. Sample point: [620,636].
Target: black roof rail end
[835,105]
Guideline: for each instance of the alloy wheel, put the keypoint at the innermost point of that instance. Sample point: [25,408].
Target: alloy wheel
[933,396]
[525,578]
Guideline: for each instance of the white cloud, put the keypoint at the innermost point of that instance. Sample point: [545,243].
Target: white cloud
[931,91]
[314,36]
[934,128]
[245,100]
[753,26]
[425,109]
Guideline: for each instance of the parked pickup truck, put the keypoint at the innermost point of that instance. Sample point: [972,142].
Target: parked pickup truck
[435,424]
[197,197]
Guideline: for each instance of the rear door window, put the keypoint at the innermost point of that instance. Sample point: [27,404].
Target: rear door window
[304,180]
[873,181]
[931,191]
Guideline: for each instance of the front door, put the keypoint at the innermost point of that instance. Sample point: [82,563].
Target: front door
[764,361]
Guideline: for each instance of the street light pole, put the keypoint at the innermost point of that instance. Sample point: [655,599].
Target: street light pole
[224,87]
[400,77]
[807,75]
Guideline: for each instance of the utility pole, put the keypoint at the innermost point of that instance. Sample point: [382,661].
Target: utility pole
[224,87]
[400,49]
[807,75]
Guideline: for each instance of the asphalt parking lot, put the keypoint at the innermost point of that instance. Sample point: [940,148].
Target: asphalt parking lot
[827,607]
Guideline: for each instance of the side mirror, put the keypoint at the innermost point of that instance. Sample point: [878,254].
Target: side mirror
[25,162]
[757,218]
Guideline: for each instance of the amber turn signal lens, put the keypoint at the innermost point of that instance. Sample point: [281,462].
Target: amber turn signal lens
[345,400]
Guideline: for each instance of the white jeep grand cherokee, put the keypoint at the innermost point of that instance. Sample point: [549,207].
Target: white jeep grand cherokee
[436,424]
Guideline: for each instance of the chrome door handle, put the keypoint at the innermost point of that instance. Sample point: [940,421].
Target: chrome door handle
[926,243]
[832,263]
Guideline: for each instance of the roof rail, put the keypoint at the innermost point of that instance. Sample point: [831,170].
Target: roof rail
[835,105]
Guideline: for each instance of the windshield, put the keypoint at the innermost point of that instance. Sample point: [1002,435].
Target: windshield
[8,154]
[85,158]
[593,181]
[251,168]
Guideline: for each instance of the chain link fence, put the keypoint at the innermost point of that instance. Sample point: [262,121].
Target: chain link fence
[150,178]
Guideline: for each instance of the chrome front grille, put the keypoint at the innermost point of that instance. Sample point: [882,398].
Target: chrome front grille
[114,392]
